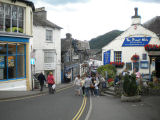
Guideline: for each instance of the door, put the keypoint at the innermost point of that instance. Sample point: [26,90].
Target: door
[157,67]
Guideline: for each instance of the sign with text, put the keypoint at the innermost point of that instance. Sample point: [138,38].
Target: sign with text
[136,41]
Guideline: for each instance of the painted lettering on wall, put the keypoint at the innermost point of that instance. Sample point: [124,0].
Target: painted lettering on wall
[136,41]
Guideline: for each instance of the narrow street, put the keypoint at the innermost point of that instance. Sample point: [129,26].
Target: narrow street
[63,105]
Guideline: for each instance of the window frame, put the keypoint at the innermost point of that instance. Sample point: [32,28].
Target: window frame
[142,62]
[115,52]
[131,66]
[52,52]
[11,19]
[16,63]
[143,56]
[47,36]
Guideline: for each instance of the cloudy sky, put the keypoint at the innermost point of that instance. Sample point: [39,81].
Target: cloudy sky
[87,19]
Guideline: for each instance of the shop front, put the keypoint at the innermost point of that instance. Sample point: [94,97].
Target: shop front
[13,63]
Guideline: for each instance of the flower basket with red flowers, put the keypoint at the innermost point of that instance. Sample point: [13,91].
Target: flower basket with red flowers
[152,47]
[117,64]
[135,58]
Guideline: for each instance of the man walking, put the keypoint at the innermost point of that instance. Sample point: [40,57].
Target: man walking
[41,79]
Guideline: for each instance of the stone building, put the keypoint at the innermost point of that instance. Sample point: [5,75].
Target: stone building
[73,52]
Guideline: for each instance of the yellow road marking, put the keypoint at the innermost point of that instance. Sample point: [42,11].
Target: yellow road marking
[32,96]
[78,115]
[82,110]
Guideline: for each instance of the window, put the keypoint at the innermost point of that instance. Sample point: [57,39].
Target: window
[129,66]
[12,60]
[48,56]
[117,56]
[49,35]
[144,56]
[11,18]
[136,65]
[144,64]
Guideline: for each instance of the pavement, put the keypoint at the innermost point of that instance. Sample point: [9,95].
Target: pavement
[6,95]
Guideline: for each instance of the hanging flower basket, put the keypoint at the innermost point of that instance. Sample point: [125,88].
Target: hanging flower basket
[117,64]
[152,47]
[135,58]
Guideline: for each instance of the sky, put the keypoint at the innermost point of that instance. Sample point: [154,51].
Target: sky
[87,19]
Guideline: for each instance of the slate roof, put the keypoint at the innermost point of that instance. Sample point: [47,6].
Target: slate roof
[38,21]
[153,25]
[27,2]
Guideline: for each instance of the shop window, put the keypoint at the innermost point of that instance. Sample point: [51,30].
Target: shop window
[48,56]
[1,17]
[144,56]
[129,66]
[136,65]
[11,18]
[144,64]
[49,35]
[12,61]
[117,56]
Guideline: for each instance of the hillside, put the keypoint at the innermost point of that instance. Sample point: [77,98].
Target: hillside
[100,41]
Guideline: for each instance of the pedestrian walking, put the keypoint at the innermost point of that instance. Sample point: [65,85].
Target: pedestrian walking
[51,82]
[87,85]
[41,79]
[96,88]
[69,77]
[82,85]
[77,84]
[92,86]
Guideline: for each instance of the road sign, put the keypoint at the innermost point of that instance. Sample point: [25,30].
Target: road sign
[32,61]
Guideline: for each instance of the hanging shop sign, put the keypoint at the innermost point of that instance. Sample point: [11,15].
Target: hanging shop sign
[136,41]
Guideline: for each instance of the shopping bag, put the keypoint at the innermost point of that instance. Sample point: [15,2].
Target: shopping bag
[53,86]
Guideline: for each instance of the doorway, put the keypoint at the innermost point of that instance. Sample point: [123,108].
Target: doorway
[157,66]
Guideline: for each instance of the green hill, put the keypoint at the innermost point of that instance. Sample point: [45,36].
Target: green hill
[102,40]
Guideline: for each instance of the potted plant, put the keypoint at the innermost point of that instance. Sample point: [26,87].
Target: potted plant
[152,47]
[117,64]
[130,93]
[135,58]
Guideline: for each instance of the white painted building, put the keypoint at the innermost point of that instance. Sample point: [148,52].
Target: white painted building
[46,45]
[131,42]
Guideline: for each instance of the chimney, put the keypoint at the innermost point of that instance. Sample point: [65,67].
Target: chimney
[68,36]
[136,19]
[41,13]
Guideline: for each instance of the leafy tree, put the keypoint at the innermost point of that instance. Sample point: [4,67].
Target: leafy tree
[111,70]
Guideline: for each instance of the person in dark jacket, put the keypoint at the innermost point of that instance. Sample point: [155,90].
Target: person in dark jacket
[41,79]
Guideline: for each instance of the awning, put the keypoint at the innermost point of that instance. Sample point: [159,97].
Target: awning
[154,53]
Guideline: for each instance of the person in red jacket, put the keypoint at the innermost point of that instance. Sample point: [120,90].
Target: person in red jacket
[50,80]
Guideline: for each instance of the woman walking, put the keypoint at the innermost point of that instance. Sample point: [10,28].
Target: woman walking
[77,84]
[50,80]
[87,85]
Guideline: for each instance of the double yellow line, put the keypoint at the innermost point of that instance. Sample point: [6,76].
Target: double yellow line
[78,115]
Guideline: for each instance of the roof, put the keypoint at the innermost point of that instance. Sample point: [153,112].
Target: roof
[27,2]
[37,21]
[153,25]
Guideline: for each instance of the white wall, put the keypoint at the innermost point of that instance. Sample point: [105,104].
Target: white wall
[128,52]
[17,85]
[39,44]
